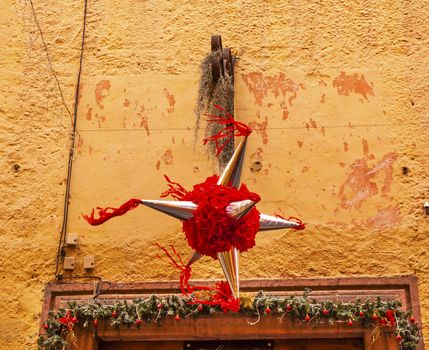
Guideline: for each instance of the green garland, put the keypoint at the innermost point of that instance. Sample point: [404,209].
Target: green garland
[375,314]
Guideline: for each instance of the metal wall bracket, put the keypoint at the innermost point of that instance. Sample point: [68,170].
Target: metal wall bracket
[224,63]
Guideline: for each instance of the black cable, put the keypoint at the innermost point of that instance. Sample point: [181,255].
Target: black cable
[72,148]
[49,58]
[100,291]
[254,129]
[62,277]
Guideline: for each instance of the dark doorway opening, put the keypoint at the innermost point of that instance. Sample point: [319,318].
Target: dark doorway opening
[229,345]
[279,344]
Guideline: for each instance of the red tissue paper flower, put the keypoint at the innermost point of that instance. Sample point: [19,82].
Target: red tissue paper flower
[211,230]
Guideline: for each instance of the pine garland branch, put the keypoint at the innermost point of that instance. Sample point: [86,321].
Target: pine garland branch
[376,314]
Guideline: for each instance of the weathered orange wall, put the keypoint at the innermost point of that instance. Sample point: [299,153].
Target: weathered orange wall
[336,92]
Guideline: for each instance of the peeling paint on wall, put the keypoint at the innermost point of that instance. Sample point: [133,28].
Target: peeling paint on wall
[353,83]
[364,181]
[171,101]
[260,86]
[100,89]
[261,129]
[385,217]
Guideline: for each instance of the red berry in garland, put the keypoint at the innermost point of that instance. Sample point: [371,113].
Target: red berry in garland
[267,310]
[307,318]
[95,323]
[288,307]
[200,307]
[325,312]
[138,322]
[350,323]
[389,313]
[74,319]
[374,317]
[398,337]
[114,314]
[159,306]
[45,326]
[177,318]
[412,319]
[361,314]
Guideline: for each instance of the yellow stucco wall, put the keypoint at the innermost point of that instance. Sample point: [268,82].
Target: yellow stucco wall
[337,94]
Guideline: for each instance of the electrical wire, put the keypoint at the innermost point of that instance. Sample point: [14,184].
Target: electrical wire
[254,129]
[49,59]
[61,243]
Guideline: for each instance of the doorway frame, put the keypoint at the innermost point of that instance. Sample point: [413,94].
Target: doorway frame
[236,326]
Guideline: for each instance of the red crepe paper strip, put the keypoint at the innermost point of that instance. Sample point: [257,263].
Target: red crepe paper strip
[211,230]
[301,225]
[232,128]
[176,190]
[108,213]
[185,270]
[223,297]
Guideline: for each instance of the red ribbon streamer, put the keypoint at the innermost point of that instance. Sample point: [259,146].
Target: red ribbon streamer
[222,298]
[108,213]
[232,128]
[176,190]
[185,270]
[301,225]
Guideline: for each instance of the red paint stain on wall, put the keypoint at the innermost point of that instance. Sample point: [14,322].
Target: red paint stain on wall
[171,101]
[144,121]
[323,98]
[311,124]
[100,88]
[322,130]
[365,149]
[158,164]
[364,181]
[79,141]
[304,169]
[88,115]
[322,83]
[300,143]
[278,85]
[126,102]
[168,157]
[385,217]
[100,119]
[261,129]
[346,146]
[292,98]
[285,114]
[81,87]
[79,144]
[353,83]
[260,85]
